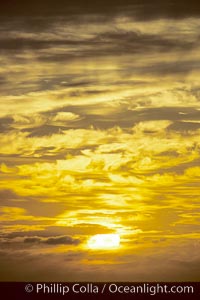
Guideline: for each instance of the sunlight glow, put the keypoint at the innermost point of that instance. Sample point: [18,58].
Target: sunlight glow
[104,241]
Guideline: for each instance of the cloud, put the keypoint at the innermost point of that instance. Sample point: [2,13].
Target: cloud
[99,128]
[45,130]
[185,126]
[65,116]
[175,260]
[108,42]
[144,9]
[5,124]
[62,240]
[66,240]
[32,240]
[7,194]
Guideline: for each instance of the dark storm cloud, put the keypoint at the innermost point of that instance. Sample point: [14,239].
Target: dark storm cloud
[61,240]
[32,240]
[109,43]
[57,233]
[156,9]
[26,234]
[142,9]
[49,237]
[67,240]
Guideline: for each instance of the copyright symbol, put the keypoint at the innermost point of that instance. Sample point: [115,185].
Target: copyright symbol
[29,288]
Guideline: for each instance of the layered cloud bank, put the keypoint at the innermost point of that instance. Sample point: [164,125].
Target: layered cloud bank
[99,128]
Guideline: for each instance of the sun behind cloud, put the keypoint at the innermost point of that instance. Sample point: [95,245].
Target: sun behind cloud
[104,241]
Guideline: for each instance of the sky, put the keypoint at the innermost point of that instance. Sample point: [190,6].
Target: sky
[100,134]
